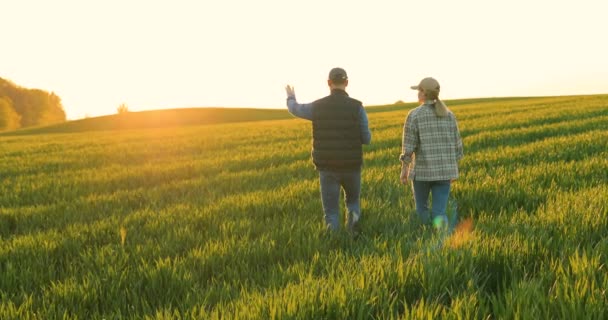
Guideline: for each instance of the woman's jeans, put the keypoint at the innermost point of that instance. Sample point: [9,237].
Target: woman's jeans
[440,191]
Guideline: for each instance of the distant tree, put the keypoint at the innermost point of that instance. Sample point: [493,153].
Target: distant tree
[122,108]
[34,106]
[54,113]
[399,102]
[9,119]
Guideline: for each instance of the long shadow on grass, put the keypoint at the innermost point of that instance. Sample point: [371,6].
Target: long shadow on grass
[550,119]
[557,149]
[541,179]
[49,192]
[518,137]
[96,205]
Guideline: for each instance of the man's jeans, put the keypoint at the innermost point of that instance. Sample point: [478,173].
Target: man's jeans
[331,181]
[440,191]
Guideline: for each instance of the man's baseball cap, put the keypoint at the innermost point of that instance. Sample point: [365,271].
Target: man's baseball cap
[337,74]
[427,84]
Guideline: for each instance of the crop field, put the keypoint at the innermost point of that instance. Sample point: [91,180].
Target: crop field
[224,221]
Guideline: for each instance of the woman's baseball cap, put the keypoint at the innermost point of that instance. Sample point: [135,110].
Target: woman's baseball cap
[427,84]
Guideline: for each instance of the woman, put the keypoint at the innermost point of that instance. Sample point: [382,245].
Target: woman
[431,150]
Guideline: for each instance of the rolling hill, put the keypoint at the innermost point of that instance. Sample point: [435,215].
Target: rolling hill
[195,117]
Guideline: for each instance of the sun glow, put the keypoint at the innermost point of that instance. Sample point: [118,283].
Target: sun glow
[154,55]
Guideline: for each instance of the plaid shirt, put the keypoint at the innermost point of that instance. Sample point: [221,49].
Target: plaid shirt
[432,144]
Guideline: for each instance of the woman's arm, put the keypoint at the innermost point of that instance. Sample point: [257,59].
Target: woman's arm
[459,145]
[409,142]
[408,145]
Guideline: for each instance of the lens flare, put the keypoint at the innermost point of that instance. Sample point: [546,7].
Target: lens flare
[440,222]
[463,233]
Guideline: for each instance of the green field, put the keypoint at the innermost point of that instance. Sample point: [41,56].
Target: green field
[225,221]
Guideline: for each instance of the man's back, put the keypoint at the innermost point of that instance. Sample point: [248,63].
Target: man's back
[336,132]
[339,125]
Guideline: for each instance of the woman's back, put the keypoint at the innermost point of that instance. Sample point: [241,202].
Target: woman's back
[436,144]
[431,149]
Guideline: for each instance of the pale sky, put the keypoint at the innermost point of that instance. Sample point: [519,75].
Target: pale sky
[172,54]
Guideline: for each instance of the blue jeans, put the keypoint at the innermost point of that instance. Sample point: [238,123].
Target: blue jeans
[331,182]
[440,191]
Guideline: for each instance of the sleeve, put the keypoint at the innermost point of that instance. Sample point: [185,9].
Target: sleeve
[410,139]
[299,110]
[459,145]
[366,135]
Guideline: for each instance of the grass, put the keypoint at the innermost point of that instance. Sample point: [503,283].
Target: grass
[225,221]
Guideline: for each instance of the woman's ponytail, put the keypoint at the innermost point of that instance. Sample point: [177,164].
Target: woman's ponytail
[441,110]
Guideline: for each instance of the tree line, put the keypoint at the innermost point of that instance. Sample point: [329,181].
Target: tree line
[22,107]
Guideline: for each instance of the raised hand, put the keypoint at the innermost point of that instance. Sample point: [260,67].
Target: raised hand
[290,91]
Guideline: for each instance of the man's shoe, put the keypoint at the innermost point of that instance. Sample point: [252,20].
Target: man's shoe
[352,223]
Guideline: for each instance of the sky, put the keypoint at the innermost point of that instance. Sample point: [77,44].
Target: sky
[240,53]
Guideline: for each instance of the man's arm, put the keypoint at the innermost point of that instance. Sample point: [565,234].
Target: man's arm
[299,110]
[366,135]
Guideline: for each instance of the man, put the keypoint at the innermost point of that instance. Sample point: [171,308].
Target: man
[339,129]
